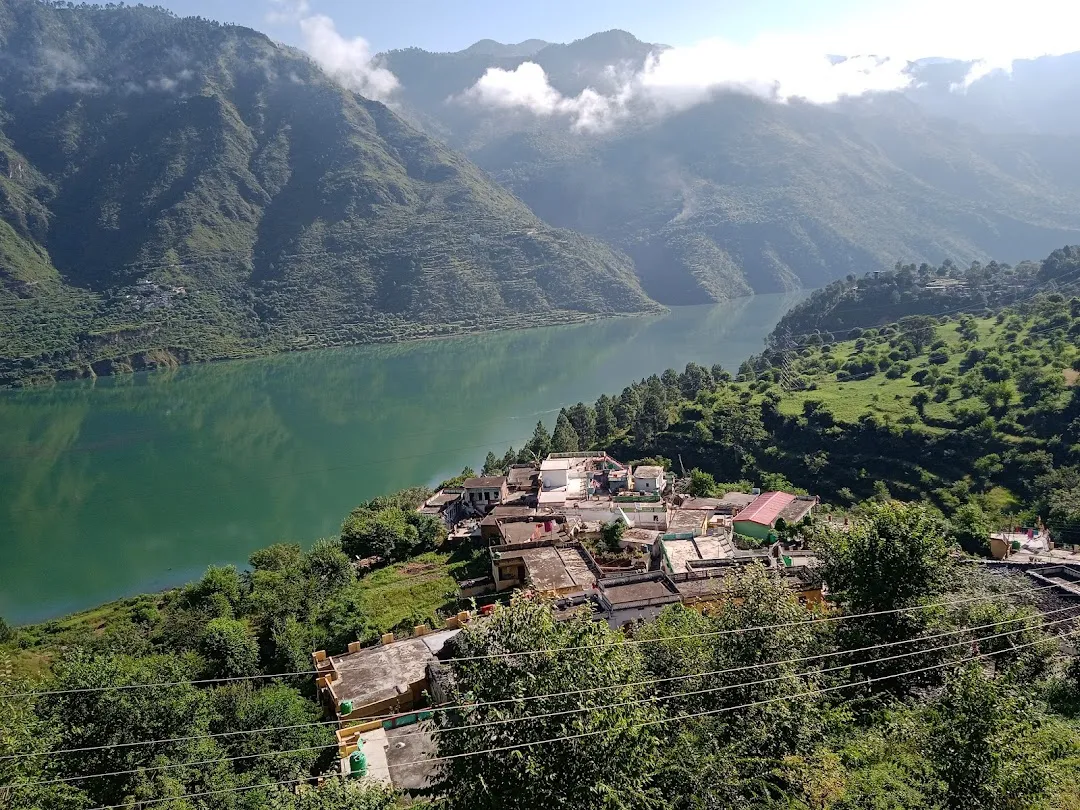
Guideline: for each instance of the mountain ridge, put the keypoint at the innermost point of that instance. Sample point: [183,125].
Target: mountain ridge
[736,194]
[179,188]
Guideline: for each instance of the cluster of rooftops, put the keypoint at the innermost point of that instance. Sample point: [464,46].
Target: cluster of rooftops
[543,526]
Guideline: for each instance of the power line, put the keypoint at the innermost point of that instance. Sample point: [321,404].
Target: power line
[656,698]
[304,673]
[725,687]
[713,633]
[811,693]
[518,746]
[553,695]
[170,766]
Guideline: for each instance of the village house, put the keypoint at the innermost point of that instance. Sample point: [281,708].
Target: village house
[551,570]
[447,505]
[387,678]
[482,493]
[523,483]
[649,479]
[758,520]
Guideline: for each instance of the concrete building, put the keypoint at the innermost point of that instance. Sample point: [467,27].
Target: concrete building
[523,478]
[485,492]
[759,518]
[628,600]
[384,679]
[447,505]
[649,479]
[557,571]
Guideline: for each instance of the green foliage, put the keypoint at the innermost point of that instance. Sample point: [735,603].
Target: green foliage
[328,565]
[607,768]
[334,794]
[702,484]
[612,535]
[385,533]
[894,555]
[606,421]
[230,649]
[538,447]
[981,746]
[971,529]
[582,419]
[565,438]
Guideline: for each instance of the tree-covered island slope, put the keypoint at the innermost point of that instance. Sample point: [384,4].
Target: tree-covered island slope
[176,189]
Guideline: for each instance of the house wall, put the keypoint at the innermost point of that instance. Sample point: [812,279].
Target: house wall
[649,484]
[751,529]
[553,479]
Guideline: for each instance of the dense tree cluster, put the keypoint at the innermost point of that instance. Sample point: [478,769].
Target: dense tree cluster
[390,527]
[883,297]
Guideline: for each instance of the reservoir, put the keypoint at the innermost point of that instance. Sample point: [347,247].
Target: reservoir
[121,485]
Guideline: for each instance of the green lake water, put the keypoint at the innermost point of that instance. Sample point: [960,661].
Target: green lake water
[128,484]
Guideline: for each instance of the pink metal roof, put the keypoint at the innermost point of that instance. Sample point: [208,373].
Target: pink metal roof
[765,508]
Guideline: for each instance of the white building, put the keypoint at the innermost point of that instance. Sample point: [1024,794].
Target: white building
[649,480]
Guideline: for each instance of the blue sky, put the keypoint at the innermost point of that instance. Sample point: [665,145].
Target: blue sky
[455,24]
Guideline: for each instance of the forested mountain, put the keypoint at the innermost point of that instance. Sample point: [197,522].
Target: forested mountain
[737,194]
[176,188]
[878,298]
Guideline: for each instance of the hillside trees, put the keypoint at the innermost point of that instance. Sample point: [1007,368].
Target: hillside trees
[609,765]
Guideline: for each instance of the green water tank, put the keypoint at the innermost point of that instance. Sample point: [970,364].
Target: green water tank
[357,764]
[345,707]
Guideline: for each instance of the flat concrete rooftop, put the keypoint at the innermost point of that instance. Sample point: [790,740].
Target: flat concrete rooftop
[637,591]
[686,520]
[554,569]
[385,672]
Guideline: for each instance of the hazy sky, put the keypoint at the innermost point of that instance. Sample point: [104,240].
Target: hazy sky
[963,28]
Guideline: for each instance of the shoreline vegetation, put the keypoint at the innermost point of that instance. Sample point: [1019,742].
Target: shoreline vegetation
[160,359]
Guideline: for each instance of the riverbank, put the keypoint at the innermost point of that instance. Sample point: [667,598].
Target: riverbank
[84,362]
[134,483]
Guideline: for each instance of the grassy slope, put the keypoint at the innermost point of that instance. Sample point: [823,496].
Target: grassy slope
[422,590]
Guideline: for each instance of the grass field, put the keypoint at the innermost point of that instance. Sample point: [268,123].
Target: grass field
[889,398]
[422,590]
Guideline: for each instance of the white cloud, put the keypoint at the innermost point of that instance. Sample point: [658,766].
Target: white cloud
[991,34]
[163,84]
[775,68]
[678,78]
[347,60]
[783,65]
[527,87]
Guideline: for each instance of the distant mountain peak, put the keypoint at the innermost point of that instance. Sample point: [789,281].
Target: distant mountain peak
[491,47]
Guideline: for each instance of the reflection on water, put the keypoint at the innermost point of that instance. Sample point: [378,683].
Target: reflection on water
[124,484]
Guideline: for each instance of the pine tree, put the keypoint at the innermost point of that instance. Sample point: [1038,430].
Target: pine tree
[491,465]
[583,420]
[651,419]
[565,438]
[606,424]
[538,446]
